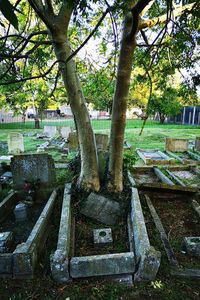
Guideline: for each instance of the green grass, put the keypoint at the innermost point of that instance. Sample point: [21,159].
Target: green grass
[153,136]
[96,124]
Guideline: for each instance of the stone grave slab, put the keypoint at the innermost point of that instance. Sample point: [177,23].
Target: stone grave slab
[15,143]
[99,265]
[50,131]
[64,131]
[32,167]
[176,145]
[154,157]
[101,209]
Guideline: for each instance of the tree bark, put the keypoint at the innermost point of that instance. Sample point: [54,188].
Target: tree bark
[128,45]
[89,177]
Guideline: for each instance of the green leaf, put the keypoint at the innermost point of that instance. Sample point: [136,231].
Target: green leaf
[7,10]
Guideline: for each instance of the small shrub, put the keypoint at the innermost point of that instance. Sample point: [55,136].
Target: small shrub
[129,159]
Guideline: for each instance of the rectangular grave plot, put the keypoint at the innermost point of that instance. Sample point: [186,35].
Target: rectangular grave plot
[154,178]
[187,159]
[179,221]
[144,175]
[188,177]
[26,254]
[20,230]
[152,157]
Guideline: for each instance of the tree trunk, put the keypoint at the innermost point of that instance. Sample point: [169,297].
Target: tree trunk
[162,118]
[37,123]
[119,108]
[89,177]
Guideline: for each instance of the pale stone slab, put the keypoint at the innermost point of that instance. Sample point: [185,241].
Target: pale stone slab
[50,131]
[15,143]
[101,209]
[64,132]
[100,265]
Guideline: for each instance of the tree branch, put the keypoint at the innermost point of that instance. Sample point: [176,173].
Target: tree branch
[162,19]
[89,36]
[32,77]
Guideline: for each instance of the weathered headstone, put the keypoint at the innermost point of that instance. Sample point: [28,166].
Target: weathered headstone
[192,245]
[101,209]
[20,212]
[64,132]
[101,141]
[72,141]
[197,143]
[50,131]
[176,145]
[33,167]
[15,143]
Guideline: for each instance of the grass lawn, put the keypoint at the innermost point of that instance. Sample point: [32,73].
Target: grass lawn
[153,135]
[164,287]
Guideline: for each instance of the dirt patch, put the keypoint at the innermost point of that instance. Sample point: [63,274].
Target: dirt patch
[179,220]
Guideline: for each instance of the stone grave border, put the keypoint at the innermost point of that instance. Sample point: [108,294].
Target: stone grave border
[166,183]
[59,260]
[144,263]
[21,263]
[147,258]
[193,158]
[149,161]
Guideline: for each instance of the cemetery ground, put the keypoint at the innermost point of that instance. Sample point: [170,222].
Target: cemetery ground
[164,286]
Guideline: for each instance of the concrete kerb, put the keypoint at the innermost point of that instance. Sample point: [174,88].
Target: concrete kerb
[147,258]
[59,261]
[25,255]
[101,265]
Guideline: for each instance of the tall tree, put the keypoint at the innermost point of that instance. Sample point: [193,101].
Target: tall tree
[55,31]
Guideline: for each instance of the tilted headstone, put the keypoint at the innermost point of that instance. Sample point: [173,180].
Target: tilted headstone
[15,143]
[50,131]
[33,167]
[101,209]
[176,145]
[72,141]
